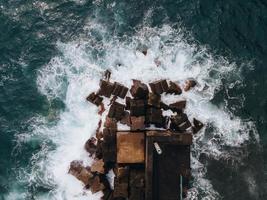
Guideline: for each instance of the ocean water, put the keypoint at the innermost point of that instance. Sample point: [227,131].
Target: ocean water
[52,54]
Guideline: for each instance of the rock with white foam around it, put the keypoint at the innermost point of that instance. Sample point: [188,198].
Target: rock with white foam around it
[80,172]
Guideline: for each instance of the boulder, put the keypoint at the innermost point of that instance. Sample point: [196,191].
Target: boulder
[94,99]
[90,146]
[116,111]
[121,182]
[76,167]
[106,88]
[174,88]
[127,103]
[126,119]
[137,123]
[137,107]
[109,135]
[97,186]
[111,123]
[158,87]
[98,166]
[119,90]
[139,90]
[154,116]
[153,100]
[178,106]
[197,125]
[80,172]
[179,122]
[189,84]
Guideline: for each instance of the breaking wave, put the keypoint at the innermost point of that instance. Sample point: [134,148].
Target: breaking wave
[75,72]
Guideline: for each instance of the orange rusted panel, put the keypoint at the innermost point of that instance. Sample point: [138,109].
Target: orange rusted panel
[130,147]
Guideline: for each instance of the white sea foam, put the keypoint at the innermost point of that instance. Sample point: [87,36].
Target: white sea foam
[76,72]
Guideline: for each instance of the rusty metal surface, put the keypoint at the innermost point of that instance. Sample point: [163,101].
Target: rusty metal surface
[130,147]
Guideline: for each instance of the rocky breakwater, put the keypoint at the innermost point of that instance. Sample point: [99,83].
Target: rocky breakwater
[142,108]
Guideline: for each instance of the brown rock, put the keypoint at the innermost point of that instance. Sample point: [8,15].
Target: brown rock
[109,152]
[128,103]
[76,167]
[80,172]
[106,88]
[126,119]
[109,135]
[116,111]
[164,106]
[154,116]
[98,166]
[97,186]
[178,120]
[197,125]
[137,107]
[154,100]
[119,90]
[94,99]
[139,90]
[85,176]
[121,182]
[158,87]
[99,150]
[189,84]
[178,106]
[90,146]
[111,123]
[137,123]
[174,88]
[107,75]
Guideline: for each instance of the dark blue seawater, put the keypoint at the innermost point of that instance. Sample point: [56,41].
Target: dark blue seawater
[39,44]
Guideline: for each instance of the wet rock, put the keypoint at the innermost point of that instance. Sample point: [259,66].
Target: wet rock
[116,111]
[139,90]
[106,88]
[97,186]
[174,88]
[128,103]
[158,87]
[98,166]
[185,125]
[109,152]
[154,116]
[121,182]
[178,106]
[111,123]
[85,176]
[126,119]
[179,122]
[189,84]
[137,107]
[76,167]
[198,125]
[99,149]
[90,146]
[94,99]
[164,106]
[119,90]
[80,172]
[137,184]
[154,100]
[137,123]
[107,74]
[109,135]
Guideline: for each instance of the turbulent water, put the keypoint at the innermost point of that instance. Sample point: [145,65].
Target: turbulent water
[53,53]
